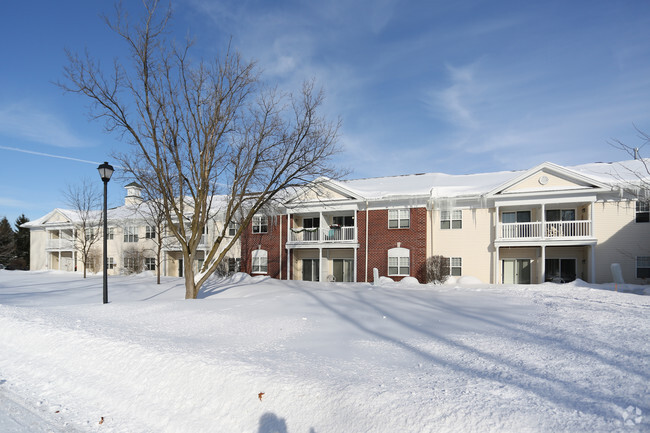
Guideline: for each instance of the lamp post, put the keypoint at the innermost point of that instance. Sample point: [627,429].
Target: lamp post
[105,172]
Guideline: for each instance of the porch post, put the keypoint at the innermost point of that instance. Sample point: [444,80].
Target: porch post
[542,265]
[592,264]
[543,216]
[289,268]
[498,267]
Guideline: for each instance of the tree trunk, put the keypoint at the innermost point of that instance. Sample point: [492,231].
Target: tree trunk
[191,291]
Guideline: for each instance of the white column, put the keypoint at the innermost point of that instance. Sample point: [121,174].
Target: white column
[497,272]
[543,216]
[592,264]
[320,264]
[542,265]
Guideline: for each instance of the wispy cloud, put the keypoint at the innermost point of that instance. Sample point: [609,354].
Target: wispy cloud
[48,155]
[456,102]
[27,122]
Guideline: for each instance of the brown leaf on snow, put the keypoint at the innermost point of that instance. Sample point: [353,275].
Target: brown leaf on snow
[260,395]
[101,421]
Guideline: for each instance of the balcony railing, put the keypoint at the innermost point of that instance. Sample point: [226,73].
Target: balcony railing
[547,230]
[60,244]
[340,234]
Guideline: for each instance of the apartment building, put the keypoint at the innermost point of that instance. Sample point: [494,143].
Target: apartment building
[134,238]
[548,223]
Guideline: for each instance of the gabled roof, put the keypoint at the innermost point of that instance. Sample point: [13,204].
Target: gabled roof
[548,177]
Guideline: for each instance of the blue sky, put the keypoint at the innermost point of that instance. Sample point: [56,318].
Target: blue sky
[420,86]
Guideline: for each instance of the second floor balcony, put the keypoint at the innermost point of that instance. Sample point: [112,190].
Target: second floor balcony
[324,235]
[60,244]
[547,230]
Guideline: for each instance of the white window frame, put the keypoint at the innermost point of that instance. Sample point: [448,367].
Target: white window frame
[260,224]
[399,262]
[89,234]
[110,234]
[645,262]
[451,220]
[110,263]
[399,218]
[455,266]
[232,228]
[234,264]
[150,232]
[260,262]
[130,263]
[642,208]
[130,234]
[150,263]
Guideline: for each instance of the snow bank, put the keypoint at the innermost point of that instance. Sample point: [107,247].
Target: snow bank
[259,355]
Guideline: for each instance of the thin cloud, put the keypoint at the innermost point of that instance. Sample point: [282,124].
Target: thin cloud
[48,155]
[28,123]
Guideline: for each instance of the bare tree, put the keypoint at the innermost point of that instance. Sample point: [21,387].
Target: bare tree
[203,130]
[640,188]
[437,269]
[85,200]
[153,215]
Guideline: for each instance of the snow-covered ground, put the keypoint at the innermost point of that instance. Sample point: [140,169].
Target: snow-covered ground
[260,355]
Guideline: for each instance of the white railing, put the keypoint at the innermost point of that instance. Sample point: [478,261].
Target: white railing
[552,230]
[341,234]
[520,230]
[60,244]
[567,229]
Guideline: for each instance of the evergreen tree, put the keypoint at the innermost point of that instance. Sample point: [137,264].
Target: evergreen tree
[7,242]
[22,242]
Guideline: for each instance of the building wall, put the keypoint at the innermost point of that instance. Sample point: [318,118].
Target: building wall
[381,239]
[473,243]
[273,242]
[620,240]
[37,254]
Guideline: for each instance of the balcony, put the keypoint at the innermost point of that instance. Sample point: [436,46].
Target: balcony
[60,244]
[323,235]
[549,230]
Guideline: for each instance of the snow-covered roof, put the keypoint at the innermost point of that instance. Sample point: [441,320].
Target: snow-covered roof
[452,185]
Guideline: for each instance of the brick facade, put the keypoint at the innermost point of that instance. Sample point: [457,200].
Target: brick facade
[269,241]
[381,239]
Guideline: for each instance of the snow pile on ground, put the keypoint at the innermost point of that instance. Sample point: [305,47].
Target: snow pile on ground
[260,355]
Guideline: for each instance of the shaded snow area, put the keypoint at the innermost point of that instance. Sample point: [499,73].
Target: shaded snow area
[266,356]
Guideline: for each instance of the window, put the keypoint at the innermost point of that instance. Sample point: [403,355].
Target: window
[234,264]
[260,262]
[150,232]
[150,264]
[516,217]
[89,233]
[232,228]
[260,224]
[455,266]
[643,267]
[110,263]
[111,233]
[399,261]
[130,234]
[343,221]
[642,211]
[561,215]
[451,219]
[399,218]
[131,264]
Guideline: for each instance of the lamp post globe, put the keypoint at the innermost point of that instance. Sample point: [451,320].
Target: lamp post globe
[105,172]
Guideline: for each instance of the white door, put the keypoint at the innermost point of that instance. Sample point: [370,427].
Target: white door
[516,271]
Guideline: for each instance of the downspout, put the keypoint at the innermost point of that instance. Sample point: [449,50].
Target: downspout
[367,217]
[280,258]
